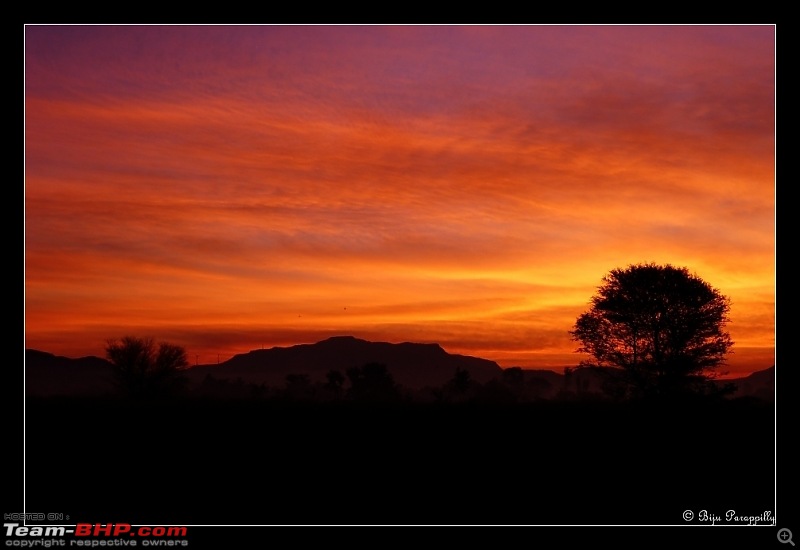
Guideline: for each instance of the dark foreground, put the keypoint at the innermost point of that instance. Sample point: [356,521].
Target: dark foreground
[251,463]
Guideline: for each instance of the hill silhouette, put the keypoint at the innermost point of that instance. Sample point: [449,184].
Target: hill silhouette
[759,384]
[208,457]
[47,374]
[412,365]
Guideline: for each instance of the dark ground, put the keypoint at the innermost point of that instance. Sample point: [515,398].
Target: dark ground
[193,462]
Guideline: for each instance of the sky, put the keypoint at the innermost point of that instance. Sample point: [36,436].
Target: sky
[230,188]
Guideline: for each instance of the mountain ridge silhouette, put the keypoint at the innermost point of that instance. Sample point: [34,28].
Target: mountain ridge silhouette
[412,365]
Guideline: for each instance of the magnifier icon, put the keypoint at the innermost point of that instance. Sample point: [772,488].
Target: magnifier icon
[785,535]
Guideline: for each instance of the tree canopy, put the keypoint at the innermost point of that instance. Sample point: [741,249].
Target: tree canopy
[659,325]
[143,369]
[373,382]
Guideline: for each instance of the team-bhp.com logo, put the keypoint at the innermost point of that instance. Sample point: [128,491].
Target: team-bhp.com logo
[120,529]
[123,533]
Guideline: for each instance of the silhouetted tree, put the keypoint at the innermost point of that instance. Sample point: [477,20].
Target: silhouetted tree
[660,326]
[299,387]
[372,382]
[495,392]
[513,376]
[461,380]
[334,383]
[539,387]
[456,388]
[143,369]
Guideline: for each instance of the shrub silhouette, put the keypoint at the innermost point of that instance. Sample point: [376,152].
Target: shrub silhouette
[299,387]
[372,383]
[144,370]
[334,383]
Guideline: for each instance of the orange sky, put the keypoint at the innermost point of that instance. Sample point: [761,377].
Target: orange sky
[232,187]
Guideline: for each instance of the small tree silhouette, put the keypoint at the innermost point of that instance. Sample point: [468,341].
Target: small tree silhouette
[659,326]
[455,389]
[461,381]
[495,392]
[514,377]
[299,387]
[143,370]
[372,383]
[334,382]
[539,387]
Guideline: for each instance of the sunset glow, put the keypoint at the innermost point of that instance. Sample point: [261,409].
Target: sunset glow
[228,188]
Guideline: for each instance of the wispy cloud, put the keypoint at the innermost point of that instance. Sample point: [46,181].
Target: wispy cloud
[467,185]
